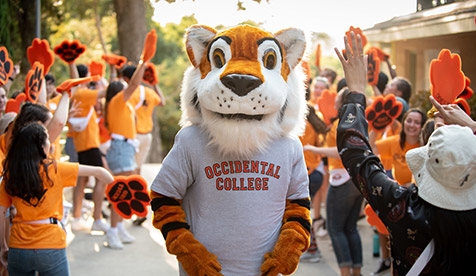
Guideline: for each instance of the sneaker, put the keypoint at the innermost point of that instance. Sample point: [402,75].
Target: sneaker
[80,224]
[124,236]
[322,232]
[100,225]
[112,239]
[311,257]
[317,224]
[383,268]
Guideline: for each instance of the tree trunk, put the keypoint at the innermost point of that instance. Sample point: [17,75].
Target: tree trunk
[131,27]
[156,152]
[27,22]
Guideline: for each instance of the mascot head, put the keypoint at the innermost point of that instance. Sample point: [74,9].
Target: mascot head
[246,86]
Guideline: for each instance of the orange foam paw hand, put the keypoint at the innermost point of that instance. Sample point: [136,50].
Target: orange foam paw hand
[69,51]
[447,80]
[129,195]
[6,66]
[383,111]
[40,51]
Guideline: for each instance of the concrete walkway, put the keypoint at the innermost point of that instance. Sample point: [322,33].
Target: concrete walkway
[147,255]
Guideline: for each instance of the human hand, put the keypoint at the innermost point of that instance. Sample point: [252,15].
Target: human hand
[355,66]
[453,114]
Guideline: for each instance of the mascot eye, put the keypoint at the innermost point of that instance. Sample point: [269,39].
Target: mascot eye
[269,59]
[218,58]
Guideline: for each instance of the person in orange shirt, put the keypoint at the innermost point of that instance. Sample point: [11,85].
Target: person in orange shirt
[144,100]
[343,203]
[395,147]
[121,122]
[85,134]
[34,184]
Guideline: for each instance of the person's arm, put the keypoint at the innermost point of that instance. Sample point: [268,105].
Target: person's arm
[372,141]
[135,80]
[326,151]
[365,168]
[453,114]
[99,172]
[161,95]
[57,123]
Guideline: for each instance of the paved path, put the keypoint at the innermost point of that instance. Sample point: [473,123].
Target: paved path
[148,256]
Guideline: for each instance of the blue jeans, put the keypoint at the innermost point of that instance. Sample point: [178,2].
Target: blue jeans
[47,262]
[315,182]
[343,207]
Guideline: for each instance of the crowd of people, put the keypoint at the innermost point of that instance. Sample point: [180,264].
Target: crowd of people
[414,164]
[344,197]
[102,143]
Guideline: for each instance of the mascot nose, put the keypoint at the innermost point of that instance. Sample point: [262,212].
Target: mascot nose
[241,84]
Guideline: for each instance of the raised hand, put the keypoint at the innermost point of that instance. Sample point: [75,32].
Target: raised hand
[354,65]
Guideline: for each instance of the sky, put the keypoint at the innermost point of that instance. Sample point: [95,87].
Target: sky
[333,17]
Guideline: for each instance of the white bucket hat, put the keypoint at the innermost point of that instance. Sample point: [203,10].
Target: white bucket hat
[445,169]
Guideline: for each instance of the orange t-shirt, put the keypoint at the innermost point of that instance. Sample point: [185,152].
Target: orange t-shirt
[121,117]
[36,236]
[331,141]
[390,148]
[145,108]
[388,162]
[89,137]
[310,137]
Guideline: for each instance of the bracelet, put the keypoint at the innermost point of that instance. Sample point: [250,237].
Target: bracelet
[10,78]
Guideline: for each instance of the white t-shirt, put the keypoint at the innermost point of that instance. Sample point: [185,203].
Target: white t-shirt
[234,206]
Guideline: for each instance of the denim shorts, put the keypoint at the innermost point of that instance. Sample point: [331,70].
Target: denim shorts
[120,156]
[47,262]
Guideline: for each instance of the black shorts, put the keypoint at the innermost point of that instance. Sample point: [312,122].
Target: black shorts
[90,157]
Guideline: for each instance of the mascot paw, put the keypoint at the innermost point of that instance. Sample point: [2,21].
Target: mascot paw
[273,266]
[382,112]
[194,257]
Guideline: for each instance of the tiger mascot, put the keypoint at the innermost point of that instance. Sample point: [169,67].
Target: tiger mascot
[231,197]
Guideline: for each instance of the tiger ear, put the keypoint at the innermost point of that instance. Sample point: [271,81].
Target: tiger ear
[197,39]
[294,42]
